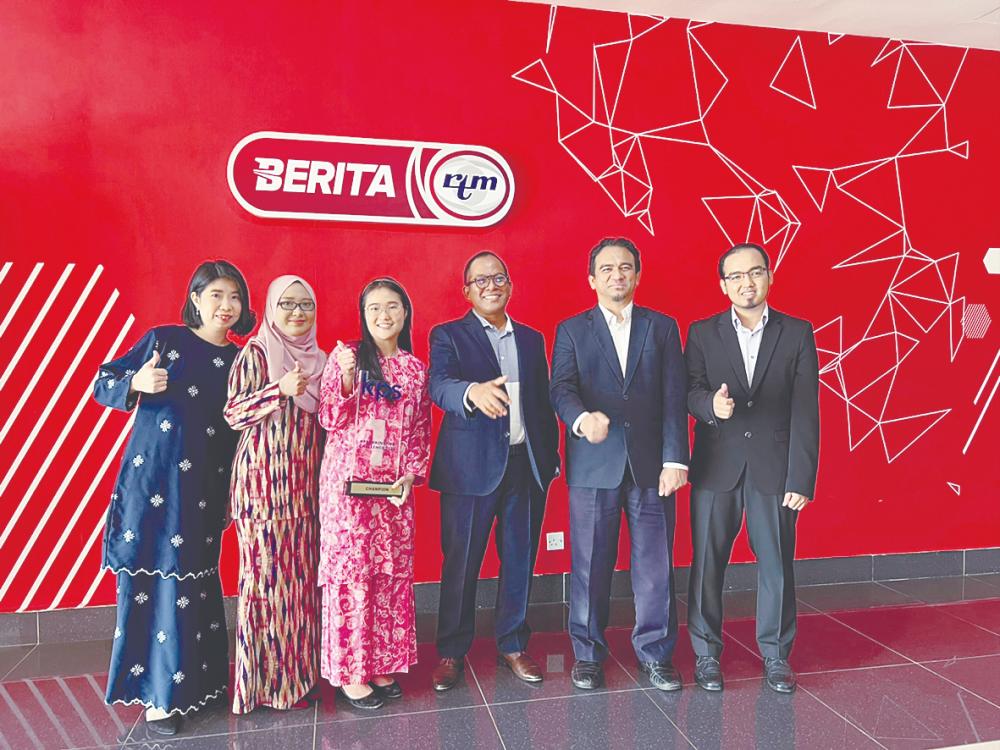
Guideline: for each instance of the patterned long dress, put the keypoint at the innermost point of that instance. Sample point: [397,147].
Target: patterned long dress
[165,523]
[366,543]
[273,503]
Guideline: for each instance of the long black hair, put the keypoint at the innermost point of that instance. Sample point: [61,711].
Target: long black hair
[367,350]
[204,275]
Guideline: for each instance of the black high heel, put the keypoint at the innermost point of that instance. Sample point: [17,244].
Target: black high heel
[392,690]
[368,702]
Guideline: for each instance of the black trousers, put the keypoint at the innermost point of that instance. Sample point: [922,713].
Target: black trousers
[716,518]
[517,505]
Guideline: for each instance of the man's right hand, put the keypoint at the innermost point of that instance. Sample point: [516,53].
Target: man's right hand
[722,404]
[595,427]
[490,397]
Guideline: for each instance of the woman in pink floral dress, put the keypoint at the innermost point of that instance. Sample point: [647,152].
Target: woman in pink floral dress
[376,409]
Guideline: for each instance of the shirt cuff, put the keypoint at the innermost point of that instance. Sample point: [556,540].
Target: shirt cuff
[674,465]
[577,422]
[465,399]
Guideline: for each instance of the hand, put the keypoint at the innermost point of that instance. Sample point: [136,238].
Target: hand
[595,427]
[490,397]
[671,480]
[406,482]
[795,501]
[293,382]
[722,405]
[150,378]
[347,360]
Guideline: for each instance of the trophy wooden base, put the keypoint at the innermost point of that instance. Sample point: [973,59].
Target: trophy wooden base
[362,488]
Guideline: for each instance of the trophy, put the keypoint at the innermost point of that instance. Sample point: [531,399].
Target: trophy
[382,447]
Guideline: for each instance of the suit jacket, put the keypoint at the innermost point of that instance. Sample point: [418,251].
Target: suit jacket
[646,406]
[775,426]
[472,449]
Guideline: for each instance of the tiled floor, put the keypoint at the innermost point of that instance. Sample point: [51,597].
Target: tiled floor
[903,664]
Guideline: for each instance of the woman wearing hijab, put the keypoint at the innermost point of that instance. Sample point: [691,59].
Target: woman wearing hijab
[273,400]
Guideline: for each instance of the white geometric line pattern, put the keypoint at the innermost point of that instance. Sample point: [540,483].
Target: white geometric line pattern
[979,393]
[976,321]
[795,61]
[614,156]
[921,292]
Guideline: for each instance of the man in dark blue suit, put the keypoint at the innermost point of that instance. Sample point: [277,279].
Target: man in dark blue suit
[497,452]
[620,385]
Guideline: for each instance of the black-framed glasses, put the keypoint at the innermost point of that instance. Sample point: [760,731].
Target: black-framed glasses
[289,305]
[498,279]
[755,274]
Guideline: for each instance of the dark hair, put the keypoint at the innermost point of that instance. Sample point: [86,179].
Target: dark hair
[204,275]
[367,351]
[477,256]
[738,248]
[617,242]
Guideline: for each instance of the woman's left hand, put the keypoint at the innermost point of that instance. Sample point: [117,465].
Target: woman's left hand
[406,482]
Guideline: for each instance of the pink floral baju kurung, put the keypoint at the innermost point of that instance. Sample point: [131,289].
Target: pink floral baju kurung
[366,543]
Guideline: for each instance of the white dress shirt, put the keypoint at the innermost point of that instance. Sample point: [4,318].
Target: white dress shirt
[502,341]
[750,341]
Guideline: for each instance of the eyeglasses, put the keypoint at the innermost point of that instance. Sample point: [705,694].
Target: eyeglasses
[755,274]
[482,282]
[374,310]
[289,305]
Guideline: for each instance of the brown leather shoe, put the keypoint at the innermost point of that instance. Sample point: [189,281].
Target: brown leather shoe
[446,673]
[522,665]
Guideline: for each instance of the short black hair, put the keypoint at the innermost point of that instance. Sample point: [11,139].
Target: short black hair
[609,242]
[477,256]
[743,246]
[204,275]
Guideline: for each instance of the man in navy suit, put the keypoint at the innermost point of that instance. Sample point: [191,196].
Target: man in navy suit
[619,384]
[497,452]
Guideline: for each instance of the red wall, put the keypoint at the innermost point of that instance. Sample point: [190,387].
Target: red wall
[115,127]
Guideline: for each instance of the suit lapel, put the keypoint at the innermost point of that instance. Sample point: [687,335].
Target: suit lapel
[731,345]
[482,340]
[599,326]
[769,339]
[636,338]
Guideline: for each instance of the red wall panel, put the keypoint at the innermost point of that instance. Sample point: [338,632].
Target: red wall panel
[118,120]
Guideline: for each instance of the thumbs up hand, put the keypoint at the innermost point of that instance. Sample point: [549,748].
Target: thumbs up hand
[151,378]
[722,404]
[294,382]
[490,397]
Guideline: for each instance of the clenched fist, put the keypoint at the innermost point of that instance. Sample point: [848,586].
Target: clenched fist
[595,427]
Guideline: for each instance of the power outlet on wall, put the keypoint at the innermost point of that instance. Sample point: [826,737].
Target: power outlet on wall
[554,540]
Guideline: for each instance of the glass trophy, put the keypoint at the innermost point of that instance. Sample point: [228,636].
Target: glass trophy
[378,443]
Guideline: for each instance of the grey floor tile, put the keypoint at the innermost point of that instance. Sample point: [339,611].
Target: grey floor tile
[287,738]
[941,590]
[18,628]
[11,656]
[64,660]
[748,714]
[838,597]
[605,720]
[456,729]
[993,579]
[71,625]
[217,719]
[977,674]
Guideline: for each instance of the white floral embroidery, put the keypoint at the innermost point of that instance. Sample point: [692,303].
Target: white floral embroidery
[138,460]
[161,636]
[210,430]
[204,666]
[209,540]
[203,595]
[118,632]
[156,500]
[114,495]
[202,504]
[172,355]
[129,373]
[137,669]
[141,598]
[218,362]
[193,391]
[177,540]
[165,425]
[178,678]
[197,636]
[214,626]
[102,373]
[128,536]
[111,383]
[222,469]
[183,602]
[184,465]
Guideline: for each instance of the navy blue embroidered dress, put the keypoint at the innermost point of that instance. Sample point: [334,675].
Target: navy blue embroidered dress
[165,523]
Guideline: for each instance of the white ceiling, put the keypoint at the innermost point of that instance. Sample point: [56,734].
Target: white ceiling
[967,23]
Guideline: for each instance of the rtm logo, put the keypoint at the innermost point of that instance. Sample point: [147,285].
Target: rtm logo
[468,184]
[465,187]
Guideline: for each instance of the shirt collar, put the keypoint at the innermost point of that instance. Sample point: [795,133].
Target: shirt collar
[738,324]
[610,316]
[508,326]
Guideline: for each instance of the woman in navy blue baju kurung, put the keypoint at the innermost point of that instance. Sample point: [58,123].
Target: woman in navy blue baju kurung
[168,511]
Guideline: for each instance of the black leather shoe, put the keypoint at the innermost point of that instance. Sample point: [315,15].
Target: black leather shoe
[167,727]
[779,674]
[368,702]
[587,675]
[708,673]
[392,690]
[662,676]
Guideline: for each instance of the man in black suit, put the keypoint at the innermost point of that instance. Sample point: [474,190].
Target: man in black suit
[619,384]
[754,393]
[497,452]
